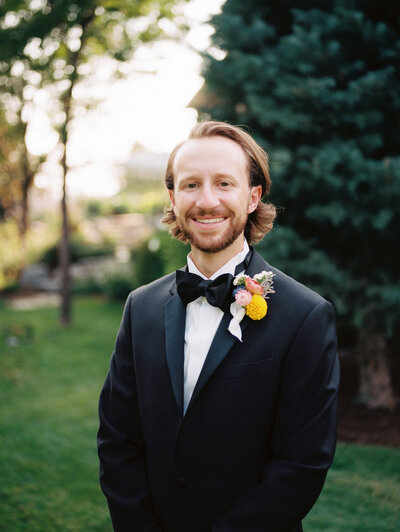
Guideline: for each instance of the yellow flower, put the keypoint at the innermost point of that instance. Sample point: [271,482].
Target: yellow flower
[257,308]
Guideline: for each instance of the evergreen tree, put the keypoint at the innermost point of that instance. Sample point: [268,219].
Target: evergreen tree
[318,83]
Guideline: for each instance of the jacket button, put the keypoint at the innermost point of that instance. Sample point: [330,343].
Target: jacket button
[182,482]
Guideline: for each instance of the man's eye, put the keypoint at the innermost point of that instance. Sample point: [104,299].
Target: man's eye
[191,185]
[224,184]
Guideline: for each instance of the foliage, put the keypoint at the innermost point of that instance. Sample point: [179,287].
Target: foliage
[173,251]
[48,460]
[145,198]
[79,249]
[318,85]
[10,253]
[52,45]
[8,167]
[118,284]
[149,262]
[89,286]
[17,165]
[15,254]
[158,256]
[55,44]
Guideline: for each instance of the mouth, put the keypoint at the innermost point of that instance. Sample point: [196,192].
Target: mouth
[208,221]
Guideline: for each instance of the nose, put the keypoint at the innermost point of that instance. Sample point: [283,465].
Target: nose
[207,198]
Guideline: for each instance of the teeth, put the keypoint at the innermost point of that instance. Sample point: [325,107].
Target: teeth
[209,220]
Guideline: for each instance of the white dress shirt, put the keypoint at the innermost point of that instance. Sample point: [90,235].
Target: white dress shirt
[202,322]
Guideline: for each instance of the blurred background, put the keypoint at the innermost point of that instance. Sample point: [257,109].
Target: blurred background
[93,97]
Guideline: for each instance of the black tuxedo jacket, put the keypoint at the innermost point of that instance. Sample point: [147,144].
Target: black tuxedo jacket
[252,451]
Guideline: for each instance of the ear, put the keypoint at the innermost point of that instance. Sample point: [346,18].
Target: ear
[255,196]
[172,198]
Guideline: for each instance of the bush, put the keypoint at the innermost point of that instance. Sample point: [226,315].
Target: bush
[118,285]
[173,251]
[149,262]
[158,256]
[79,249]
[87,286]
[94,208]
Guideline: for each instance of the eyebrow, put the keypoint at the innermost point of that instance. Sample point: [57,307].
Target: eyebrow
[226,176]
[219,175]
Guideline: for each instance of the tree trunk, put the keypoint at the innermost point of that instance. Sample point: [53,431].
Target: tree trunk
[26,186]
[375,388]
[72,60]
[64,251]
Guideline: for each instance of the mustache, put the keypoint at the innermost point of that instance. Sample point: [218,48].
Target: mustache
[214,213]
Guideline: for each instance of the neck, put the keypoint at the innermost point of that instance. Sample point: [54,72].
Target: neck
[209,263]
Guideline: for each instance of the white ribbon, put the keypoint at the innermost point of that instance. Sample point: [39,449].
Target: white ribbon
[238,313]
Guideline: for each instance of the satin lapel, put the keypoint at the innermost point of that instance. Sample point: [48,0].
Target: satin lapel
[221,345]
[175,314]
[223,339]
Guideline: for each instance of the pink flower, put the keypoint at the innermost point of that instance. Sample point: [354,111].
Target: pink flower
[243,297]
[254,287]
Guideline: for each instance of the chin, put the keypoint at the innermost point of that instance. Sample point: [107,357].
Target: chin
[213,244]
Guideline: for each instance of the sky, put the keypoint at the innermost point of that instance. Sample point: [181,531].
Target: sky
[149,109]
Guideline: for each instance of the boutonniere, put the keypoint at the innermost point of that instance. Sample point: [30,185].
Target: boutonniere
[250,295]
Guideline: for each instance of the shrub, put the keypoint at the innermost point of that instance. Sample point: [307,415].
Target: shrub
[79,249]
[148,261]
[87,286]
[118,285]
[158,256]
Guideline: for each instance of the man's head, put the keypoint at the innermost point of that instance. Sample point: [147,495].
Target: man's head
[216,180]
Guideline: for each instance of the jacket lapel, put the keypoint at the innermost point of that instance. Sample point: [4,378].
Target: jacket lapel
[257,264]
[222,343]
[174,315]
[223,339]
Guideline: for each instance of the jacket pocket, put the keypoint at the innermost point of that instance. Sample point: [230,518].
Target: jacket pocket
[251,369]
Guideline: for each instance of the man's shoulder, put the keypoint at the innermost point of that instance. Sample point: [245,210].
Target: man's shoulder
[290,291]
[293,289]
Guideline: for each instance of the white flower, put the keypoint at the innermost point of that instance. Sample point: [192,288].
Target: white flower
[259,276]
[239,279]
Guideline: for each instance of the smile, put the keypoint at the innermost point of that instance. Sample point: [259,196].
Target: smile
[209,220]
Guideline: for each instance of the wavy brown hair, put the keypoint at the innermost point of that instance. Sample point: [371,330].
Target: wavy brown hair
[259,222]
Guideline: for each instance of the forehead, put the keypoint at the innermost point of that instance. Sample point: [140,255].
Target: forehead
[210,154]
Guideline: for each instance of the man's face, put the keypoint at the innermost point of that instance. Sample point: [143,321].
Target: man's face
[212,197]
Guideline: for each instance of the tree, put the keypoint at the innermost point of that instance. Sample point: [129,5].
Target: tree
[17,166]
[56,40]
[318,83]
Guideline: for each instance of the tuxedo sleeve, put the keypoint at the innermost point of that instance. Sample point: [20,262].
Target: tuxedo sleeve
[121,450]
[304,435]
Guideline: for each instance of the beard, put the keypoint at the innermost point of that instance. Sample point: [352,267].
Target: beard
[209,243]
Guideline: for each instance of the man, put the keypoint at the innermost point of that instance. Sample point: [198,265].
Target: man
[219,420]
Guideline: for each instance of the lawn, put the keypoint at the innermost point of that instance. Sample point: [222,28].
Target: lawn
[50,379]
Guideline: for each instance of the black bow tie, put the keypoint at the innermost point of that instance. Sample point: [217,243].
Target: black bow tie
[218,292]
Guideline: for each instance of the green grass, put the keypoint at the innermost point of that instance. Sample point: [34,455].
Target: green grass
[49,386]
[362,492]
[48,418]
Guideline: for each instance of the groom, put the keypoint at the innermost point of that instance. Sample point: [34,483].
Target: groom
[219,409]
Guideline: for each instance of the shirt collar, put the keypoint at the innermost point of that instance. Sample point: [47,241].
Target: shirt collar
[228,267]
